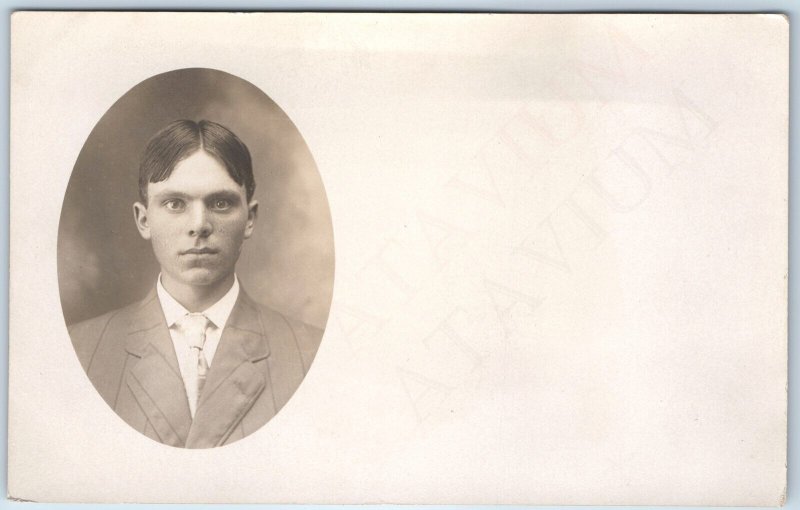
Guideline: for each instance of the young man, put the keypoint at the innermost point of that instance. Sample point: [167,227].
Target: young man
[197,363]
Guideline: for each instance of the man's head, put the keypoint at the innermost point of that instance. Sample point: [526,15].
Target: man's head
[182,138]
[196,201]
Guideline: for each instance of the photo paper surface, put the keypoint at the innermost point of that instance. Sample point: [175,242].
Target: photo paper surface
[546,256]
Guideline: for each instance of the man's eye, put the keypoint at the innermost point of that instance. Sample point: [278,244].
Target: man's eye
[222,204]
[174,204]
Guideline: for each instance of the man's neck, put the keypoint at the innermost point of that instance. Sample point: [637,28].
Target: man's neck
[197,298]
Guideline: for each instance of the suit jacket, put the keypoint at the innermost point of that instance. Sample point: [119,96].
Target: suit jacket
[261,359]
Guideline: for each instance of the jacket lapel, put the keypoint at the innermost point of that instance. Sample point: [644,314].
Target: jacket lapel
[233,383]
[155,379]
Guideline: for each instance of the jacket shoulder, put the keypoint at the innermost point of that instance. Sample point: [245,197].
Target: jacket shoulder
[87,335]
[293,334]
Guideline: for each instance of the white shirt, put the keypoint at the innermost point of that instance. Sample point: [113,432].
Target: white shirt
[217,314]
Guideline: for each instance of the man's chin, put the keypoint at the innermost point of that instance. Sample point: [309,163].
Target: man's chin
[202,277]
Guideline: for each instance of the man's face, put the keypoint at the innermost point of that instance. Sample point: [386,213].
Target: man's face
[196,221]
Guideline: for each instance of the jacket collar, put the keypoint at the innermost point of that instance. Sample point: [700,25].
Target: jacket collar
[232,385]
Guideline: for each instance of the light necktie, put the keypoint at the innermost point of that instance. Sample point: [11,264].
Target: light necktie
[194,327]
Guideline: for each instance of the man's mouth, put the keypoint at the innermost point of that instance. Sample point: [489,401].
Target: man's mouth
[199,251]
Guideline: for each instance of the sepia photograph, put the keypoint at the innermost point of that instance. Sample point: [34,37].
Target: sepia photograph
[173,237]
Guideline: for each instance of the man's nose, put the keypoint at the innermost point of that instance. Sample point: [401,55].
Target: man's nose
[199,222]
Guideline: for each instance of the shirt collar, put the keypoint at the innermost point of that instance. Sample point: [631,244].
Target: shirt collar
[218,313]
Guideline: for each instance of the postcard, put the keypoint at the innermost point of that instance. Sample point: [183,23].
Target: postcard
[399,258]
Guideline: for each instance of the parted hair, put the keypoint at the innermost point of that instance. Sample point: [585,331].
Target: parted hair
[182,138]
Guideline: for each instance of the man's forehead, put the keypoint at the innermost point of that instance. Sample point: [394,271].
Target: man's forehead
[199,174]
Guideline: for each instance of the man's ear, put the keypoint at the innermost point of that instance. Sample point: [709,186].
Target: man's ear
[140,217]
[252,213]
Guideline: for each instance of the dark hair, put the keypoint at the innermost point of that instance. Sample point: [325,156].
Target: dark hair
[182,138]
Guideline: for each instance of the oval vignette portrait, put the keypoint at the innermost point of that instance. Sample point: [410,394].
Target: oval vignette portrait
[195,258]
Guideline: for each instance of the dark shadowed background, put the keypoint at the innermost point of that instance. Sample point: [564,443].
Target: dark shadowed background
[104,264]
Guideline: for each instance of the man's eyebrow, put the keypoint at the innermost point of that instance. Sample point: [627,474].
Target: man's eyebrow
[171,194]
[167,193]
[224,194]
[229,195]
